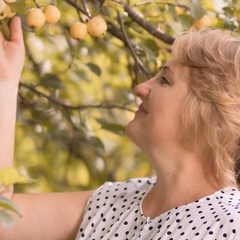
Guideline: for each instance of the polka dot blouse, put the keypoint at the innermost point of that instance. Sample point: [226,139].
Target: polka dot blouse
[114,212]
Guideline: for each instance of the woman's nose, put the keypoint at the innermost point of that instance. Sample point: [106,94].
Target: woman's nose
[142,90]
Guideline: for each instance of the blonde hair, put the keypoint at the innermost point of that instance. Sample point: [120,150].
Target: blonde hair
[212,110]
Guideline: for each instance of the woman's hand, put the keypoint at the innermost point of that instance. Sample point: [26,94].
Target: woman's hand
[12,53]
[11,64]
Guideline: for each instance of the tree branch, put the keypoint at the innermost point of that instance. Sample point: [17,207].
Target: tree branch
[72,107]
[141,21]
[135,16]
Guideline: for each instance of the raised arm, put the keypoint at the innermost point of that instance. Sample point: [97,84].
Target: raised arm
[11,64]
[54,216]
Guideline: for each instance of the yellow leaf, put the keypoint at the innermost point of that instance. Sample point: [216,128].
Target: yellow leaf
[205,21]
[9,176]
[114,5]
[208,4]
[10,205]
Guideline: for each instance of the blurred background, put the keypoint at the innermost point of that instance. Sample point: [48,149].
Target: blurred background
[76,97]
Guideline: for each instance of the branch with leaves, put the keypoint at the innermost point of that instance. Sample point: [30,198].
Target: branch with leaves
[59,103]
[139,19]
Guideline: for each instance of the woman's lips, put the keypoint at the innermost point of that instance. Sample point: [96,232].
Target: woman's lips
[142,108]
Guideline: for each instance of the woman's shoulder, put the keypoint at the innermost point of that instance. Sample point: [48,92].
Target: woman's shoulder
[114,192]
[229,196]
[221,208]
[128,185]
[228,200]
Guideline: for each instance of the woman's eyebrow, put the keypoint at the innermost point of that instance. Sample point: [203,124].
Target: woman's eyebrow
[165,67]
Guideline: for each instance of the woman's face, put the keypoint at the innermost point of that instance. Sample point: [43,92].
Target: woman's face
[157,122]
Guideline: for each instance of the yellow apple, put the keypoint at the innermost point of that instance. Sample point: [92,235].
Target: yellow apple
[3,9]
[10,14]
[10,1]
[97,26]
[35,18]
[78,31]
[52,14]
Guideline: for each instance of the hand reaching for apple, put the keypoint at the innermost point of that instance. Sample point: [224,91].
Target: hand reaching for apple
[12,53]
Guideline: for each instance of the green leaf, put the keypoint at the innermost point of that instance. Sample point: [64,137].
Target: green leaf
[110,19]
[112,127]
[114,5]
[186,21]
[17,5]
[197,10]
[94,68]
[9,205]
[5,219]
[97,142]
[228,11]
[51,81]
[82,75]
[147,51]
[37,115]
[9,176]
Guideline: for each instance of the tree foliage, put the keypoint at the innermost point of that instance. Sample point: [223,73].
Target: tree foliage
[75,97]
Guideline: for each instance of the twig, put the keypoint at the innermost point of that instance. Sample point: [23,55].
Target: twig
[138,62]
[32,60]
[36,3]
[77,7]
[86,8]
[142,3]
[161,3]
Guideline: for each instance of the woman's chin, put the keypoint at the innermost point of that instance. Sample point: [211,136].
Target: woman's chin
[129,128]
[132,132]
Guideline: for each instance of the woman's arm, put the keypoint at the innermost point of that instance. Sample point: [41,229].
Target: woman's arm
[11,64]
[53,216]
[47,215]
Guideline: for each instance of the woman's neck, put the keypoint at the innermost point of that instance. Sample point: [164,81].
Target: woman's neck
[179,181]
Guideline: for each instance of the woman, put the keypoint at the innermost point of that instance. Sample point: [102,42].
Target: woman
[188,124]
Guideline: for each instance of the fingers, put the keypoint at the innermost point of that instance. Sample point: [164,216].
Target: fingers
[16,34]
[1,35]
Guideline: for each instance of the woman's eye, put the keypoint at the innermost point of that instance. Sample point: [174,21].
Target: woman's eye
[163,80]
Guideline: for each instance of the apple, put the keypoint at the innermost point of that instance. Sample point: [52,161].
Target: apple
[10,1]
[3,10]
[78,31]
[10,14]
[52,14]
[35,18]
[97,26]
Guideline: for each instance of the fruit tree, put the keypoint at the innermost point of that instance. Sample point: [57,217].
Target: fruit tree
[83,59]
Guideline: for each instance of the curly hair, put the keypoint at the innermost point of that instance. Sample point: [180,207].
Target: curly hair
[212,110]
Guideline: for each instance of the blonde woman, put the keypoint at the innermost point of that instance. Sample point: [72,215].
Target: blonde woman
[188,124]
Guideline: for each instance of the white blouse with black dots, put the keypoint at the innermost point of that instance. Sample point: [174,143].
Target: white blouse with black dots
[114,212]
